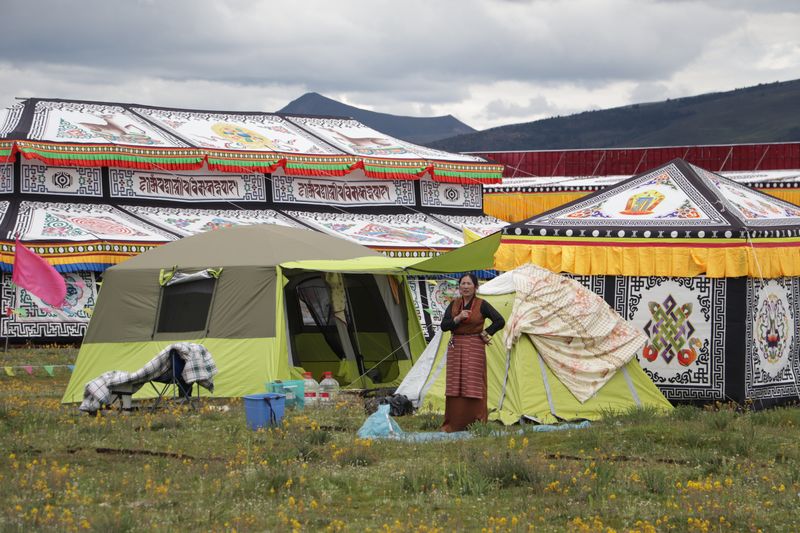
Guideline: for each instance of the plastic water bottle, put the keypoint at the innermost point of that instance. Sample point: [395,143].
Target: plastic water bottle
[311,390]
[328,389]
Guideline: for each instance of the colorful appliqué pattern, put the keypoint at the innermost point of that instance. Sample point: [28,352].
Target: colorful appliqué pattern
[340,227]
[104,225]
[662,179]
[669,333]
[642,203]
[242,137]
[658,305]
[686,210]
[30,317]
[55,226]
[595,211]
[772,328]
[68,130]
[217,223]
[772,363]
[112,130]
[182,223]
[410,235]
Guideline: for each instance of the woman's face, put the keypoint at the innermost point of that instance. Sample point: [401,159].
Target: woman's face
[466,287]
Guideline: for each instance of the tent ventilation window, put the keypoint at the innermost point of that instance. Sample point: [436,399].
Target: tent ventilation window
[185,306]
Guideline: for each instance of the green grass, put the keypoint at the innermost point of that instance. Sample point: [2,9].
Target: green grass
[714,469]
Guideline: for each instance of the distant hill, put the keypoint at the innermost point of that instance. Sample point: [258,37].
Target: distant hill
[764,113]
[418,130]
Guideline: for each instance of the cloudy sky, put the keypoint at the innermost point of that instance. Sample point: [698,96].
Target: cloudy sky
[488,63]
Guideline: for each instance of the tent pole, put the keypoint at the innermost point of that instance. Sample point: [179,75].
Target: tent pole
[354,337]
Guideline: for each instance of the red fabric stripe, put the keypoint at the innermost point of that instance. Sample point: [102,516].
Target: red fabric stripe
[465,181]
[114,163]
[466,367]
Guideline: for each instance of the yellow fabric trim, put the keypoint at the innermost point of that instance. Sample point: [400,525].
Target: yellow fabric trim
[787,195]
[610,241]
[88,258]
[514,207]
[674,262]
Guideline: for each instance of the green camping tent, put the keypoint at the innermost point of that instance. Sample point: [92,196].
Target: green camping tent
[266,301]
[521,385]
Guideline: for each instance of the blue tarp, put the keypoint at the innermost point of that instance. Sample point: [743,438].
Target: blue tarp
[379,425]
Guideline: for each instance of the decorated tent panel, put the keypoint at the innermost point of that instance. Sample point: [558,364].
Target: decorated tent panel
[28,317]
[186,221]
[236,131]
[342,191]
[517,199]
[6,178]
[477,226]
[55,180]
[186,186]
[709,272]
[409,235]
[76,222]
[716,339]
[752,208]
[665,198]
[9,118]
[772,364]
[76,237]
[87,123]
[355,138]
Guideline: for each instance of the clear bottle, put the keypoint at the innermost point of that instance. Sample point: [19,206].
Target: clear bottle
[310,390]
[328,389]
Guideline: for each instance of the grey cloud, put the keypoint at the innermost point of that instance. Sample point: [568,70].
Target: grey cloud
[650,92]
[351,46]
[501,109]
[411,55]
[759,6]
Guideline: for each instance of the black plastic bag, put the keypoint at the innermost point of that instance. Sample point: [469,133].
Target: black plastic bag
[399,405]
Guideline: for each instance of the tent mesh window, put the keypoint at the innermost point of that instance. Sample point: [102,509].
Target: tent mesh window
[314,337]
[185,306]
[376,340]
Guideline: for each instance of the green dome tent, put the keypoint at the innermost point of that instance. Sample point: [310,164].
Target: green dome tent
[576,359]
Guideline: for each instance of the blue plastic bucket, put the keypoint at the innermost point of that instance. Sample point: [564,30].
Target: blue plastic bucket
[263,410]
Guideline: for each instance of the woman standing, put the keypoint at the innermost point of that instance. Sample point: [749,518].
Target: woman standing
[466,388]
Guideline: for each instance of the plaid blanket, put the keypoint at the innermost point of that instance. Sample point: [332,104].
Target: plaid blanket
[200,368]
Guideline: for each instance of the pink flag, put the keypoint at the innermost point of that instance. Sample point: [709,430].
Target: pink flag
[38,277]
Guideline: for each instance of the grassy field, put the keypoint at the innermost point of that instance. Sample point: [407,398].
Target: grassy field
[694,470]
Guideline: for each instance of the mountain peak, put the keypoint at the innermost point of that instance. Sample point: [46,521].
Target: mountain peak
[419,130]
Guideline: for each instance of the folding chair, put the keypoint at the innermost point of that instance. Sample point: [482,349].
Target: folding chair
[174,377]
